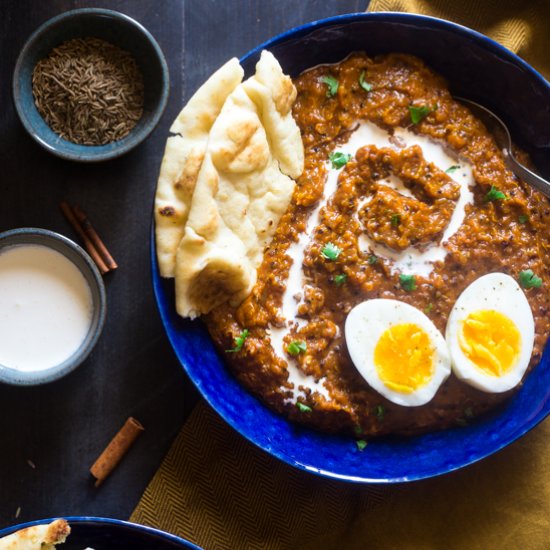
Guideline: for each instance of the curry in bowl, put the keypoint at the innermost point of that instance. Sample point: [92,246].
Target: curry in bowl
[401,289]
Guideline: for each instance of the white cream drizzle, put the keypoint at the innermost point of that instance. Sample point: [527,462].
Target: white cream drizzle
[409,261]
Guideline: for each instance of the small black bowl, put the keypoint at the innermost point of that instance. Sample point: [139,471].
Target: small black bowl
[113,27]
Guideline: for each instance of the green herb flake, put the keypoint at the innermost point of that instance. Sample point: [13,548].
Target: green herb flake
[339,159]
[340,279]
[361,444]
[469,412]
[373,259]
[407,282]
[523,218]
[332,85]
[363,83]
[303,408]
[527,279]
[239,342]
[296,347]
[331,252]
[420,113]
[380,412]
[494,194]
[357,430]
[395,220]
[429,308]
[452,169]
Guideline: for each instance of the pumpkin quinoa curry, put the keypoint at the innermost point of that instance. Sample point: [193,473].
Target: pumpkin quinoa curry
[391,197]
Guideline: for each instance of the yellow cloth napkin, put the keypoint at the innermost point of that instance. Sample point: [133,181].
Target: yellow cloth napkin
[220,492]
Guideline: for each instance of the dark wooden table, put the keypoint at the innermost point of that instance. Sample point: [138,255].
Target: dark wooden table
[50,435]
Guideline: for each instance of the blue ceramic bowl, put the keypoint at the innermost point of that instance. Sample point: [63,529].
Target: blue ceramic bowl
[111,534]
[113,27]
[80,258]
[476,68]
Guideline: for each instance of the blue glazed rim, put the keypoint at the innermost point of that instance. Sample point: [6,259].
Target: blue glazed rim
[99,521]
[82,261]
[192,344]
[44,135]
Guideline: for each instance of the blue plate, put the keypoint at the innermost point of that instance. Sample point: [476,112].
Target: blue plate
[111,534]
[477,68]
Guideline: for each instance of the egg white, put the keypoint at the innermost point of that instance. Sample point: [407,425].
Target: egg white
[366,323]
[501,293]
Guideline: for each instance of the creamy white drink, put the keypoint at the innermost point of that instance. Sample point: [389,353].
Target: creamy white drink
[45,307]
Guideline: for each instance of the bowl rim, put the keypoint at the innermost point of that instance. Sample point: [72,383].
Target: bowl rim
[93,520]
[160,294]
[95,153]
[51,374]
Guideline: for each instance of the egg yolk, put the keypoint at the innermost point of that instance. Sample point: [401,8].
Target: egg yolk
[491,341]
[404,358]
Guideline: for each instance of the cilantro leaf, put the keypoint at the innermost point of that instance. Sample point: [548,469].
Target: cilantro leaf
[339,159]
[340,279]
[527,279]
[380,412]
[420,113]
[407,282]
[365,85]
[452,169]
[395,220]
[296,347]
[331,252]
[361,444]
[332,84]
[428,308]
[372,259]
[303,408]
[495,195]
[239,342]
[523,218]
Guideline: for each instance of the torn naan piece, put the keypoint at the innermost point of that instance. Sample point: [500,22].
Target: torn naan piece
[37,537]
[183,158]
[241,193]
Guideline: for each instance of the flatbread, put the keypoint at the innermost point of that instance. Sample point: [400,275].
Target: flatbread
[183,158]
[241,192]
[38,537]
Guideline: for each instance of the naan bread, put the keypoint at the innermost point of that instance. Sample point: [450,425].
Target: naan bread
[38,537]
[183,158]
[242,190]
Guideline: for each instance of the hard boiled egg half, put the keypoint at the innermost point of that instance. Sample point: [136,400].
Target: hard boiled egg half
[490,333]
[397,350]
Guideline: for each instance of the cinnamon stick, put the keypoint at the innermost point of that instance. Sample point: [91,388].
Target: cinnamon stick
[88,244]
[94,237]
[116,449]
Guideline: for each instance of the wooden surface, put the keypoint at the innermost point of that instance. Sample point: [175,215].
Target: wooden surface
[50,435]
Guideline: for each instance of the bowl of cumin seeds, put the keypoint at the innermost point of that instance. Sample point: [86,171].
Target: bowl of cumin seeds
[90,84]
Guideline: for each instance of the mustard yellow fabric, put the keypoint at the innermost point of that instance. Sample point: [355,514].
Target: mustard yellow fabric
[219,491]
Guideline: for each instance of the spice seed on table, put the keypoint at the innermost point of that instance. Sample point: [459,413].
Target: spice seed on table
[89,91]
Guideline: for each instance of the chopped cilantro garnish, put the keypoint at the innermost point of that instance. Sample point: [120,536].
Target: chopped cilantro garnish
[407,282]
[361,444]
[428,308]
[523,218]
[340,279]
[331,251]
[365,85]
[527,279]
[239,342]
[419,113]
[380,411]
[395,220]
[372,259]
[338,159]
[332,84]
[452,168]
[495,195]
[303,408]
[296,347]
